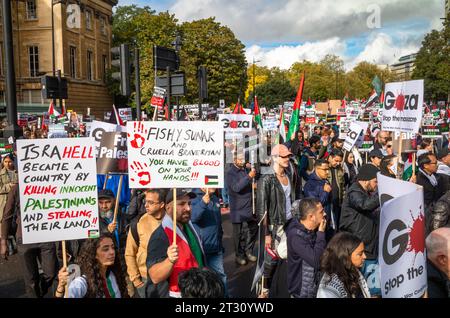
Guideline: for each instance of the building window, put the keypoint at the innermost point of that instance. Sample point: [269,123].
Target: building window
[89,19]
[103,25]
[105,66]
[31,9]
[33,54]
[73,61]
[90,66]
[32,96]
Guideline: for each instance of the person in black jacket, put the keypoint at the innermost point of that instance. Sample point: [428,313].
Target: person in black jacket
[438,263]
[275,195]
[245,227]
[360,217]
[439,215]
[431,182]
[305,244]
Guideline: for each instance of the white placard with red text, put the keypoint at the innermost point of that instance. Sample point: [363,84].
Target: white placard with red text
[58,189]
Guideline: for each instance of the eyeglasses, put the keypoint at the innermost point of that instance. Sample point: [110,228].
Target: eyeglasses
[149,202]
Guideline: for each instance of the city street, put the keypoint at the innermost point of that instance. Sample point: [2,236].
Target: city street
[239,277]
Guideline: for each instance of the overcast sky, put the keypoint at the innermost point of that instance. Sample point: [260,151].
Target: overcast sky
[281,32]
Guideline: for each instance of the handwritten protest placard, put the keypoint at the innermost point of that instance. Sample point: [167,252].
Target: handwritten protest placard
[175,154]
[58,189]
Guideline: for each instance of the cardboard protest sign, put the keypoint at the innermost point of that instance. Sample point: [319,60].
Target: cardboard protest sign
[402,247]
[236,123]
[270,124]
[431,131]
[175,154]
[158,97]
[98,128]
[58,189]
[408,142]
[352,135]
[113,153]
[403,105]
[126,114]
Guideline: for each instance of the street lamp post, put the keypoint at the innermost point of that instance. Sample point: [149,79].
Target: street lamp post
[254,78]
[177,43]
[53,52]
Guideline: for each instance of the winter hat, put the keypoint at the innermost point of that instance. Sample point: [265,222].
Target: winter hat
[367,172]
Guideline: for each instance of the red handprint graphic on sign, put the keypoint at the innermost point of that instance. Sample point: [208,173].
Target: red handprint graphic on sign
[139,140]
[138,169]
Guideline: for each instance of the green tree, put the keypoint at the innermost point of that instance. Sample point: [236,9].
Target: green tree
[276,90]
[433,64]
[206,42]
[124,27]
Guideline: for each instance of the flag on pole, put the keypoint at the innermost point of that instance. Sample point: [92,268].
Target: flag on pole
[52,111]
[258,120]
[183,115]
[376,83]
[408,168]
[309,103]
[115,118]
[372,99]
[294,123]
[281,128]
[238,109]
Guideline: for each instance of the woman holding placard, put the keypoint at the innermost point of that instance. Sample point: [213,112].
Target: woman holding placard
[101,272]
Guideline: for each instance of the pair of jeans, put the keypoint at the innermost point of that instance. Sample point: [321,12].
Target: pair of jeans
[215,262]
[244,236]
[141,290]
[30,254]
[225,198]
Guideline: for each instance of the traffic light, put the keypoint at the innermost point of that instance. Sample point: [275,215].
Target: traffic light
[121,60]
[203,82]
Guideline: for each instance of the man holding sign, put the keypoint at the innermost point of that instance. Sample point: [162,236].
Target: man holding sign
[166,259]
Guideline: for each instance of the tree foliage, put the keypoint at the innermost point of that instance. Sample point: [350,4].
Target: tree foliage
[433,64]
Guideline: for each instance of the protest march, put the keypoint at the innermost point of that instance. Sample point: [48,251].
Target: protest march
[335,197]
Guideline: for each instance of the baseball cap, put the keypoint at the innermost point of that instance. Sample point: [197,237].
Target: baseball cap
[280,150]
[105,194]
[180,193]
[376,153]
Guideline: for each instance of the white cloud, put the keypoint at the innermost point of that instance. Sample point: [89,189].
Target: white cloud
[287,21]
[381,49]
[284,56]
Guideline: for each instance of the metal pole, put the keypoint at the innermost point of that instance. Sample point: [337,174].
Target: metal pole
[254,84]
[169,91]
[138,84]
[59,91]
[53,49]
[200,101]
[178,107]
[11,98]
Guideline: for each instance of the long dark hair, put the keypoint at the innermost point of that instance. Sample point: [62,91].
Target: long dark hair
[90,268]
[385,162]
[337,260]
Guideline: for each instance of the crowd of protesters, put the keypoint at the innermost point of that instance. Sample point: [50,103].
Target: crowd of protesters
[316,205]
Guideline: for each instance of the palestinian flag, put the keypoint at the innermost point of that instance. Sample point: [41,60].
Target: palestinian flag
[309,103]
[372,99]
[115,118]
[52,111]
[258,120]
[408,168]
[294,123]
[377,85]
[238,109]
[211,180]
[281,128]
